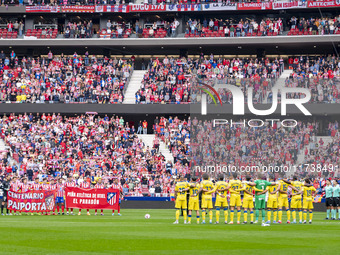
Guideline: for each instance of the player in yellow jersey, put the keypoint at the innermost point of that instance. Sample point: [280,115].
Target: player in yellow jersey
[248,200]
[283,200]
[221,190]
[308,193]
[235,186]
[207,190]
[272,203]
[296,201]
[194,190]
[181,198]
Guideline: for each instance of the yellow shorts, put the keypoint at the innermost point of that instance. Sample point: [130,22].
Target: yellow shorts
[272,202]
[221,202]
[194,204]
[308,204]
[296,202]
[248,202]
[235,200]
[207,202]
[181,204]
[283,202]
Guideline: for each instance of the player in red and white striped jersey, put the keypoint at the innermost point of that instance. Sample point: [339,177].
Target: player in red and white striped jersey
[45,185]
[84,185]
[116,185]
[99,185]
[70,183]
[35,185]
[60,196]
[14,186]
[24,186]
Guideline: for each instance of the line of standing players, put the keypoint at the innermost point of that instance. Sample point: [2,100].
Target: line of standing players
[302,193]
[14,184]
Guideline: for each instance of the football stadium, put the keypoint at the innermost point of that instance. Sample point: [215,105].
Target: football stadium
[169,126]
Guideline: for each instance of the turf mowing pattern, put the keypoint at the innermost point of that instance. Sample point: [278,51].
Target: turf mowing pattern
[131,233]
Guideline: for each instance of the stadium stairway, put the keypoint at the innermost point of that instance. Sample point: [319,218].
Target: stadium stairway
[148,141]
[133,86]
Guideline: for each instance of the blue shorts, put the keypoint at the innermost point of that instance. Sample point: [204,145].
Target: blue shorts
[60,200]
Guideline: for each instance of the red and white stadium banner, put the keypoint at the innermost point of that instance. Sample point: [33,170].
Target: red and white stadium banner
[112,8]
[78,8]
[287,4]
[325,3]
[219,7]
[40,8]
[31,201]
[183,7]
[254,6]
[147,8]
[92,198]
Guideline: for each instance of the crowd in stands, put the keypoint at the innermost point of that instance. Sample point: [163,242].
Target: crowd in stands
[158,29]
[241,145]
[63,79]
[314,26]
[325,153]
[171,80]
[51,145]
[116,30]
[318,73]
[175,133]
[79,30]
[232,28]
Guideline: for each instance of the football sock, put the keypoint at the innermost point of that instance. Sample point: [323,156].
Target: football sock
[305,215]
[310,215]
[58,208]
[300,215]
[177,215]
[339,213]
[257,214]
[2,208]
[184,215]
[189,218]
[275,215]
[328,211]
[232,215]
[7,210]
[288,214]
[210,215]
[238,215]
[269,214]
[62,208]
[294,214]
[80,210]
[203,215]
[251,216]
[226,214]
[263,213]
[198,218]
[333,213]
[217,214]
[280,214]
[119,209]
[245,215]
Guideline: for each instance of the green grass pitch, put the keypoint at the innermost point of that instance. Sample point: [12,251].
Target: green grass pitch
[133,234]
